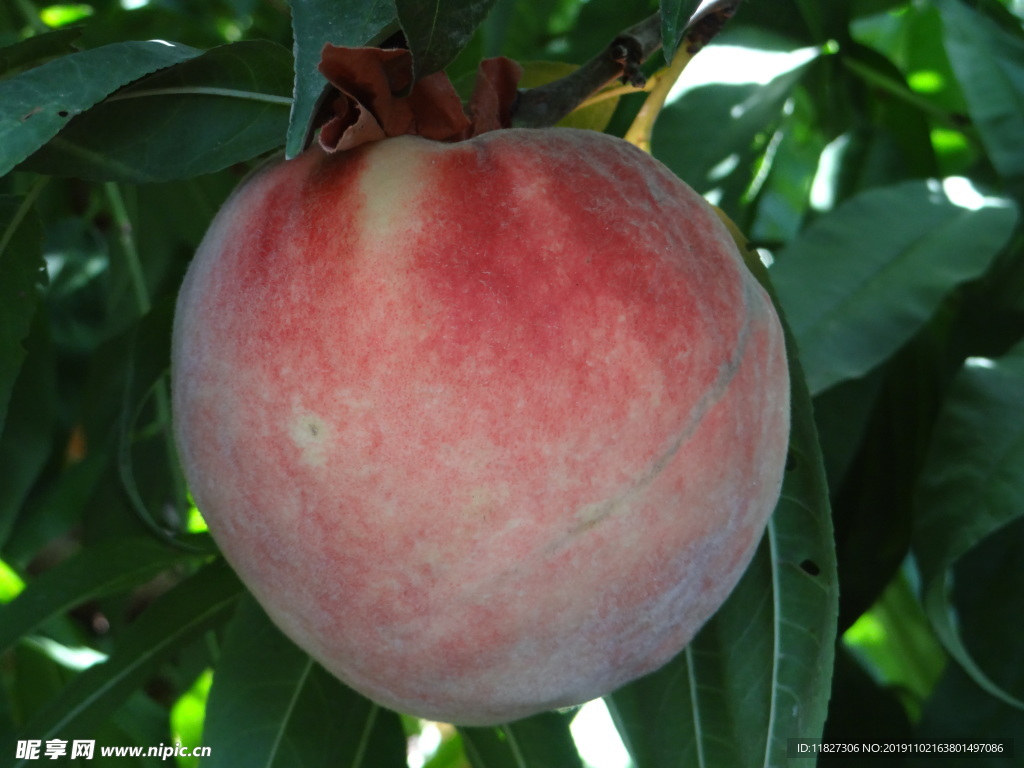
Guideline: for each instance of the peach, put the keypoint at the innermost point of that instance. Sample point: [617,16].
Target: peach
[487,427]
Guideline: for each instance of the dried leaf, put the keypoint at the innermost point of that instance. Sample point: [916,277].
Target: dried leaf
[375,100]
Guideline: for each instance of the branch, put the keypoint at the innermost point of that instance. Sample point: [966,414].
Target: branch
[699,32]
[704,26]
[547,104]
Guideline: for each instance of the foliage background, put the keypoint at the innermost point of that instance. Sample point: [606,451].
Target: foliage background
[872,150]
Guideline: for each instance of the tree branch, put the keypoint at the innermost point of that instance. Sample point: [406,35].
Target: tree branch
[547,104]
[706,24]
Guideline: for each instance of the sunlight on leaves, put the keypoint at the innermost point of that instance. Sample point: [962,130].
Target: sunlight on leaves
[894,642]
[195,523]
[10,583]
[61,15]
[187,716]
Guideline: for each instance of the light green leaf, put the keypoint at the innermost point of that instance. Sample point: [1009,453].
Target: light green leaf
[972,485]
[272,705]
[38,103]
[861,280]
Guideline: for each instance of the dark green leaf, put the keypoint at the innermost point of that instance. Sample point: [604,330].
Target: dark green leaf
[719,150]
[28,436]
[970,487]
[223,107]
[35,679]
[860,281]
[823,20]
[109,568]
[315,23]
[148,385]
[38,103]
[22,271]
[872,508]
[842,415]
[541,741]
[272,705]
[437,30]
[759,671]
[863,711]
[895,641]
[675,15]
[171,622]
[989,63]
[36,48]
[989,598]
[572,31]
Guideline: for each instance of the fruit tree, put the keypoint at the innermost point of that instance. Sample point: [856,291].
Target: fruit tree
[511,383]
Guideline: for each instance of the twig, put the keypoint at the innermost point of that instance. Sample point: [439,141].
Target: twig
[642,127]
[699,32]
[547,104]
[705,25]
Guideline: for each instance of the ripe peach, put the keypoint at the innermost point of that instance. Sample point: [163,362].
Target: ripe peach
[488,427]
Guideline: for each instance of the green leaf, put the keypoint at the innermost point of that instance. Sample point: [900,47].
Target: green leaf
[894,640]
[27,441]
[170,623]
[108,568]
[272,705]
[825,21]
[861,280]
[35,679]
[38,103]
[226,106]
[760,670]
[541,741]
[188,714]
[720,150]
[33,49]
[437,30]
[315,23]
[989,597]
[147,384]
[971,487]
[989,63]
[675,15]
[22,271]
[861,711]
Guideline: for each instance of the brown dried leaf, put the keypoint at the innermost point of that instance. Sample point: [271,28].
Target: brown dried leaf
[494,94]
[370,107]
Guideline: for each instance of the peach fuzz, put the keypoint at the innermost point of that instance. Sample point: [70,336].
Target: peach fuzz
[489,427]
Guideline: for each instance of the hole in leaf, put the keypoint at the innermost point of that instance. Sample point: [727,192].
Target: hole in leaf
[62,113]
[810,567]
